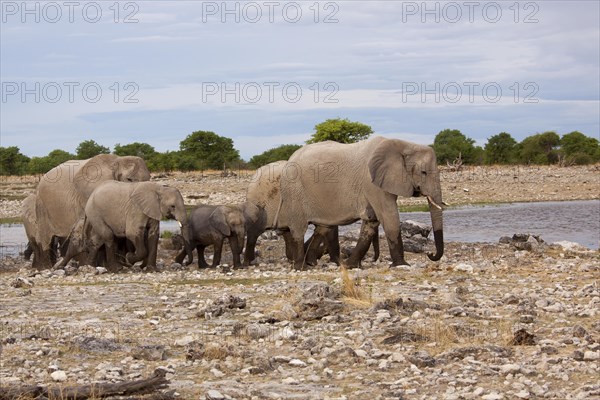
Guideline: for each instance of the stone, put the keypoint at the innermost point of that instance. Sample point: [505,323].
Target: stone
[59,376]
[217,373]
[214,395]
[591,355]
[297,363]
[463,267]
[510,369]
[101,270]
[184,341]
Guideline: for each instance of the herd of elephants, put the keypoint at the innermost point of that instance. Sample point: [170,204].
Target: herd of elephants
[104,210]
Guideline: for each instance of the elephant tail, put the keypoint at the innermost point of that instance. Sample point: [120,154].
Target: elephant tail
[276,219]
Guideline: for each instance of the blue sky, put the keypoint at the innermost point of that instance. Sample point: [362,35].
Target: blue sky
[264,73]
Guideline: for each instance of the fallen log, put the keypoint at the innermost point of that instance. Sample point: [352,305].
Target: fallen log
[95,390]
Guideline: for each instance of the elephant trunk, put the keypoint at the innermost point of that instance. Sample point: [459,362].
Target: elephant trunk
[438,231]
[185,233]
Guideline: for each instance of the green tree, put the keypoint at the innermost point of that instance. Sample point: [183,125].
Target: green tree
[539,148]
[501,149]
[41,165]
[577,148]
[282,152]
[450,143]
[163,162]
[89,148]
[142,150]
[207,150]
[340,130]
[12,162]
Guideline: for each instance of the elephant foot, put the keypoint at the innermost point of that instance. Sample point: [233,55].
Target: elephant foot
[353,263]
[150,269]
[400,262]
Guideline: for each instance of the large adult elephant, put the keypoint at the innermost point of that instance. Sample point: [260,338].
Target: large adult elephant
[330,183]
[64,190]
[129,210]
[264,192]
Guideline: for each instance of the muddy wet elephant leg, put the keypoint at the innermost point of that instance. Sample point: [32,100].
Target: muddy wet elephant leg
[368,231]
[201,260]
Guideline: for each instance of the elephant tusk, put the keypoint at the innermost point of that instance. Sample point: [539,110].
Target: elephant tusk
[433,203]
[445,204]
[179,222]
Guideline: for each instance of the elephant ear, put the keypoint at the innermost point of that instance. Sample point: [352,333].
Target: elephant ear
[217,220]
[251,212]
[146,197]
[89,175]
[388,169]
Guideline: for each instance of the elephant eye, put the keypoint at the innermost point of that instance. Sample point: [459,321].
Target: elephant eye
[424,173]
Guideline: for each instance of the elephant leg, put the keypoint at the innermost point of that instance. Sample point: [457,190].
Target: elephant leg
[313,248]
[181,256]
[297,236]
[201,260]
[218,250]
[28,251]
[235,251]
[333,244]
[397,250]
[289,250]
[153,234]
[250,253]
[111,261]
[367,233]
[376,244]
[137,237]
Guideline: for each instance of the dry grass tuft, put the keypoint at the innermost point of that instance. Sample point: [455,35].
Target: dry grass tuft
[216,351]
[352,293]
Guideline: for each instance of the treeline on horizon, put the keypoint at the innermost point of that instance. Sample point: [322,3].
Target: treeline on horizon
[205,150]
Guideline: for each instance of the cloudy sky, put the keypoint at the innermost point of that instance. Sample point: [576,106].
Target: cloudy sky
[264,73]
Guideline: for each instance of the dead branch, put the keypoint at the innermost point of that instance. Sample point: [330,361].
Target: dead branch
[96,390]
[456,164]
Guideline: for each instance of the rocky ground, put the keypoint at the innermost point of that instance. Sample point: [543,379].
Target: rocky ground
[516,319]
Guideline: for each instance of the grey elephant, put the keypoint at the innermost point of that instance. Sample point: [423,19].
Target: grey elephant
[132,211]
[264,192]
[63,192]
[330,183]
[30,224]
[210,225]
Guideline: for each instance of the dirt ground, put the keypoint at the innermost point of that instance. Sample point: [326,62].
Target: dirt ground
[515,320]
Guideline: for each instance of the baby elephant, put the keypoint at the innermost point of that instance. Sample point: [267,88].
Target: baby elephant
[210,225]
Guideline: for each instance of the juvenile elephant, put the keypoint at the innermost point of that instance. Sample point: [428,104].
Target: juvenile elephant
[131,211]
[62,193]
[210,225]
[354,178]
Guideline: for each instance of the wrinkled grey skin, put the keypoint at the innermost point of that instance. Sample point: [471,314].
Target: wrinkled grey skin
[131,211]
[264,192]
[353,178]
[64,190]
[210,225]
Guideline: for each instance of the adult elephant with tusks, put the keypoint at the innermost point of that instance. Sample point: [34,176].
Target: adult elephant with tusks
[132,211]
[330,183]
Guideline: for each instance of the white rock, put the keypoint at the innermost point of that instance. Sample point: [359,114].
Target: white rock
[217,373]
[297,363]
[59,376]
[361,353]
[184,341]
[101,270]
[289,381]
[492,396]
[591,355]
[464,268]
[510,369]
[214,395]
